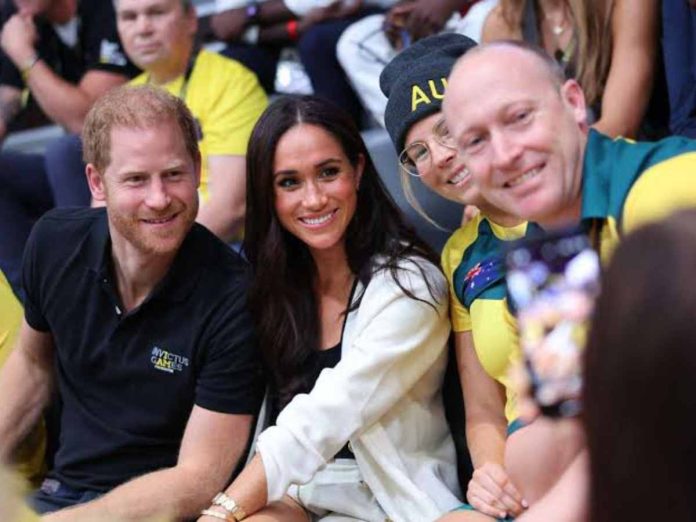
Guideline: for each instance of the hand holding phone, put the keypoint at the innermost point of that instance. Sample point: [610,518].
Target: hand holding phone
[552,283]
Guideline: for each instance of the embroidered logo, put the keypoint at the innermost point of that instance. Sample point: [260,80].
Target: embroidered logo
[418,95]
[166,361]
[483,275]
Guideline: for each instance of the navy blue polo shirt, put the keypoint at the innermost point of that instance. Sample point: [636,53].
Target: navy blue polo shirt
[128,381]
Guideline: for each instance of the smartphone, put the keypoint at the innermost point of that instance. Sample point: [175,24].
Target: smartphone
[553,281]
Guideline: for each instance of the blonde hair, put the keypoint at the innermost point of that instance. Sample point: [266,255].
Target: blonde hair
[593,39]
[140,107]
[405,178]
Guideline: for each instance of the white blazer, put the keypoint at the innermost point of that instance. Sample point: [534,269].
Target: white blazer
[384,396]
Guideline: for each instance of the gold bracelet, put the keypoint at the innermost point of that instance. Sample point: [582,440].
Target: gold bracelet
[28,67]
[217,514]
[230,505]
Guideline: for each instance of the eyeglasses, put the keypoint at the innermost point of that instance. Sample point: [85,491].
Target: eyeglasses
[417,158]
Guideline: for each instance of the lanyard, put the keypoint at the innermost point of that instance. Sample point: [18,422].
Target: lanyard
[187,76]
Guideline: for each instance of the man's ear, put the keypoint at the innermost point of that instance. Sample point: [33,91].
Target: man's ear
[95,182]
[574,97]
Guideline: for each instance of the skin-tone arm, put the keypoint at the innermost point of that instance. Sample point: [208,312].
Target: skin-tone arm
[495,28]
[223,213]
[231,24]
[568,500]
[63,102]
[630,80]
[212,444]
[10,105]
[420,18]
[26,381]
[490,490]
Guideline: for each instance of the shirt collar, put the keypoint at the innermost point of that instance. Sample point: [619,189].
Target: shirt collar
[96,247]
[176,285]
[597,170]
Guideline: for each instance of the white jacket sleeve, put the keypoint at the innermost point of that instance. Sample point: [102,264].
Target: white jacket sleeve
[395,340]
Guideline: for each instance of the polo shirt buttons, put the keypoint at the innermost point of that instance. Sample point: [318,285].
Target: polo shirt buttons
[118,310]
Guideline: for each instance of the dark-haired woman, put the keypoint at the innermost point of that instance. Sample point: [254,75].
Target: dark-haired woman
[639,373]
[352,318]
[640,369]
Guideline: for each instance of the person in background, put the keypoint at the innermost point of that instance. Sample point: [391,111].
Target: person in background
[368,45]
[352,312]
[639,374]
[160,382]
[257,32]
[638,370]
[224,97]
[679,55]
[609,46]
[65,54]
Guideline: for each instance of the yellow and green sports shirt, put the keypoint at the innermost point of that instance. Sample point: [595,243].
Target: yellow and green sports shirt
[225,98]
[473,263]
[627,184]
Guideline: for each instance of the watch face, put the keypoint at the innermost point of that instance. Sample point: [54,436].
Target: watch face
[252,11]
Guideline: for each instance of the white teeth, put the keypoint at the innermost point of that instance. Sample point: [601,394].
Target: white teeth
[319,220]
[524,177]
[459,177]
[158,221]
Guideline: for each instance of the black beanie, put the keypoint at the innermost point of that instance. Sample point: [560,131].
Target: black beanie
[415,81]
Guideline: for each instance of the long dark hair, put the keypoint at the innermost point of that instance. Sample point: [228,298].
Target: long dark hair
[640,367]
[281,298]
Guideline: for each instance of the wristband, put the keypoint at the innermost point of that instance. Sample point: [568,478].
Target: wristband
[24,71]
[228,504]
[291,28]
[217,514]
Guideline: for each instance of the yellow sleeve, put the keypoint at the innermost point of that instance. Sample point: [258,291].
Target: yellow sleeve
[11,506]
[236,100]
[29,461]
[10,318]
[660,191]
[451,256]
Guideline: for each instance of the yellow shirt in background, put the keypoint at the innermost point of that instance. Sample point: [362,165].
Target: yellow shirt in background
[225,98]
[30,455]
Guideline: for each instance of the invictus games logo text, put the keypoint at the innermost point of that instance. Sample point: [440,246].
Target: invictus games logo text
[167,361]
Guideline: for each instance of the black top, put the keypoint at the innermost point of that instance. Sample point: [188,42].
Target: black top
[90,42]
[329,358]
[128,381]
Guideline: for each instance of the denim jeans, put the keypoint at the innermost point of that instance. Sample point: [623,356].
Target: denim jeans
[53,495]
